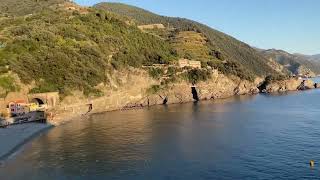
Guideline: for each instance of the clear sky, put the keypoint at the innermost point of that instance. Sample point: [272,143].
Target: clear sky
[291,25]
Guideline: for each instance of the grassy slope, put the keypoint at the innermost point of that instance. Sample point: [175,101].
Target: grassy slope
[233,49]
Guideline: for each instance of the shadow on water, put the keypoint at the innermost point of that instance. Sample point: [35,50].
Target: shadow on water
[243,137]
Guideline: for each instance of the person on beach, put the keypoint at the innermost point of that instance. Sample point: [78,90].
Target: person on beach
[89,109]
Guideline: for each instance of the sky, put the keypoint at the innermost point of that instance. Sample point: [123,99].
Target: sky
[290,25]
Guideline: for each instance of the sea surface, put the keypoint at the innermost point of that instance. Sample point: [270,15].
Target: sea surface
[244,137]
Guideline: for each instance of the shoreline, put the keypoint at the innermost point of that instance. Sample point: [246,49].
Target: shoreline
[15,137]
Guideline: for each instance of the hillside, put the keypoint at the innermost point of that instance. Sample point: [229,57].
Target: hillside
[63,50]
[24,7]
[295,63]
[315,58]
[232,49]
[60,46]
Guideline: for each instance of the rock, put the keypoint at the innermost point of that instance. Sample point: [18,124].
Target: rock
[289,85]
[306,84]
[309,84]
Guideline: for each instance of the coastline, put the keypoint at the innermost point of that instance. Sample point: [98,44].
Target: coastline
[15,137]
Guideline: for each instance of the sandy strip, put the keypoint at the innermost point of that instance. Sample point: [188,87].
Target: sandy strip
[13,137]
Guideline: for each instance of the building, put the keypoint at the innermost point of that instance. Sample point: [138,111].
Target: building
[187,63]
[18,107]
[195,64]
[151,26]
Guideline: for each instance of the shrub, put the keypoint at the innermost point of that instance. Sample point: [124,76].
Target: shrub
[232,68]
[156,73]
[196,75]
[8,84]
[272,78]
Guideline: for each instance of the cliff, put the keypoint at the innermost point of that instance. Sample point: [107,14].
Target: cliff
[132,91]
[289,85]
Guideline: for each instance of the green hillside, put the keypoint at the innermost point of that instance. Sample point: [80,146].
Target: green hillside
[63,47]
[64,50]
[24,7]
[232,49]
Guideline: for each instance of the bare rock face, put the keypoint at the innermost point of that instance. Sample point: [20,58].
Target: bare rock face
[309,84]
[219,86]
[289,85]
[246,87]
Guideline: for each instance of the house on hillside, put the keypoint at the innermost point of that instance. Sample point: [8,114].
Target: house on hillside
[188,63]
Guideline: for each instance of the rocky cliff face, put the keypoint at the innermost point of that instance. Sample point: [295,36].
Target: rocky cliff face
[131,91]
[289,85]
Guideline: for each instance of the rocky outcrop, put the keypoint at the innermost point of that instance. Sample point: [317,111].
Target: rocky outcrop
[292,84]
[130,90]
[219,86]
[127,90]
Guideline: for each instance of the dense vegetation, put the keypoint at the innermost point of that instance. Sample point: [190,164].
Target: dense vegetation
[233,50]
[63,50]
[24,7]
[196,75]
[7,84]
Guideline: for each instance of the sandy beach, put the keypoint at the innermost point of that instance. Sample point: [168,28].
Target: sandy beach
[16,136]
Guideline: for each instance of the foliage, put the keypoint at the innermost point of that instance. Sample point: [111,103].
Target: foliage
[63,51]
[24,7]
[196,75]
[232,68]
[8,84]
[272,78]
[230,48]
[156,73]
[154,89]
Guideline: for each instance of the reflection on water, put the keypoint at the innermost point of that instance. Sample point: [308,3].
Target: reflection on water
[245,137]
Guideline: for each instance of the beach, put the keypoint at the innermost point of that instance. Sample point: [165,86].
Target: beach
[13,137]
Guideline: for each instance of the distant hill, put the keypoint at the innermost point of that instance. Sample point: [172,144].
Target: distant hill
[232,49]
[295,63]
[315,58]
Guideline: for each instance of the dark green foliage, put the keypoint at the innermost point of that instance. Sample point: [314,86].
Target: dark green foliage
[43,87]
[172,71]
[196,75]
[273,78]
[232,68]
[8,84]
[63,53]
[156,73]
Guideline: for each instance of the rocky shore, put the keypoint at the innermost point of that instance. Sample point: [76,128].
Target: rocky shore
[132,94]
